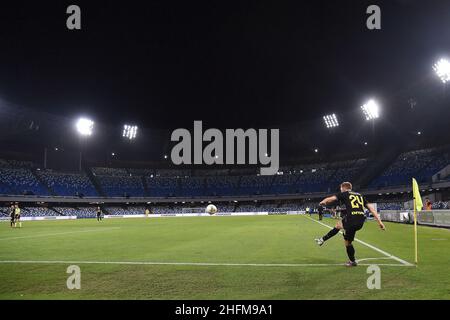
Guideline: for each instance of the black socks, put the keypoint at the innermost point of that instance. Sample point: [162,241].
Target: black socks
[330,234]
[351,253]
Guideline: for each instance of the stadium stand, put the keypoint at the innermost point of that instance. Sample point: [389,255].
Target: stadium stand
[79,212]
[161,186]
[68,184]
[129,210]
[389,206]
[31,211]
[441,205]
[421,164]
[82,212]
[23,177]
[119,182]
[16,177]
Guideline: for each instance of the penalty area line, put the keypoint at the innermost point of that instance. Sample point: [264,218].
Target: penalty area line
[203,264]
[403,262]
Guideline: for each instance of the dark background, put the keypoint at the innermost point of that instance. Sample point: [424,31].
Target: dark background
[249,64]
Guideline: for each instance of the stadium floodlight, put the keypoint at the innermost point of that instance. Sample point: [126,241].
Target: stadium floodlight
[129,131]
[442,69]
[371,110]
[331,121]
[85,126]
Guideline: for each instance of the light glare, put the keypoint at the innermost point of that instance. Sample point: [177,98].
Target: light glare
[442,69]
[371,110]
[85,126]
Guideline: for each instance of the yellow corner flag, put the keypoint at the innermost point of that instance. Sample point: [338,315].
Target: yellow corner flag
[417,207]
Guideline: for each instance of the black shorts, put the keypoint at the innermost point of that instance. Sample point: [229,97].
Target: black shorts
[350,229]
[17,217]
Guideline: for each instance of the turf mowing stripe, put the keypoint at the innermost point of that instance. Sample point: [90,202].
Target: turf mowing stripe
[59,233]
[406,263]
[207,264]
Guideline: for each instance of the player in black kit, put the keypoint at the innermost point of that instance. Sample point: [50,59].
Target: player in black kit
[353,218]
[99,214]
[320,211]
[12,215]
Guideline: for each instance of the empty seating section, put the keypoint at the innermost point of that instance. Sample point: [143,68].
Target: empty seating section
[390,206]
[116,172]
[17,178]
[161,186]
[118,182]
[125,210]
[30,212]
[22,177]
[222,185]
[79,212]
[421,164]
[68,184]
[191,186]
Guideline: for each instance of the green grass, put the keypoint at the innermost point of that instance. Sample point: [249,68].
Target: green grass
[255,239]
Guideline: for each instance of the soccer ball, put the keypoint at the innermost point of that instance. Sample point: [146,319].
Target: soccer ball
[211,209]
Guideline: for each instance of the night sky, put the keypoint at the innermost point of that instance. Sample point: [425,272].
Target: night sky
[242,63]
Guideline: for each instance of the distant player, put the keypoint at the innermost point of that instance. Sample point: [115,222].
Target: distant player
[99,214]
[308,211]
[17,216]
[320,210]
[12,214]
[353,218]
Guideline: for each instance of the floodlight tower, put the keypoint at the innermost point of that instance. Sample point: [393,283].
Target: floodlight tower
[331,121]
[371,111]
[85,128]
[442,69]
[130,131]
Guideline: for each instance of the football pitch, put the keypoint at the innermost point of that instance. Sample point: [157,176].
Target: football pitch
[247,257]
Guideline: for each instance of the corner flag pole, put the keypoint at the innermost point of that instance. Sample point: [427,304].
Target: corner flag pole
[415,233]
[417,207]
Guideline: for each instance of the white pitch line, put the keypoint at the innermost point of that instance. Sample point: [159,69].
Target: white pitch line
[58,234]
[206,264]
[366,259]
[406,263]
